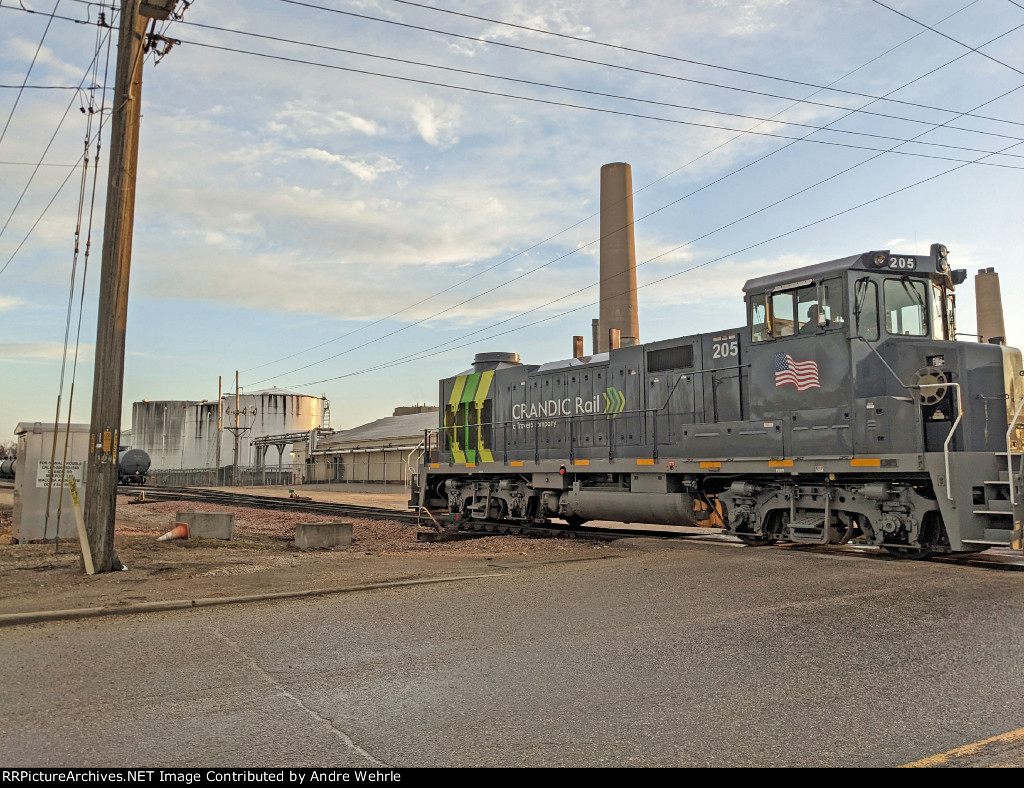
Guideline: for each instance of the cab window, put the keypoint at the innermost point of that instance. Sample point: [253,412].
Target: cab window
[785,313]
[832,303]
[906,307]
[865,309]
[760,330]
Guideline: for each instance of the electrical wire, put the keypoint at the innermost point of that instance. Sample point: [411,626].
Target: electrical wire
[40,163]
[67,325]
[760,210]
[949,38]
[478,40]
[603,110]
[601,94]
[475,340]
[636,70]
[85,266]
[579,248]
[463,282]
[31,65]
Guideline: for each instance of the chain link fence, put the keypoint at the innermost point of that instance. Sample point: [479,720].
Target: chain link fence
[356,471]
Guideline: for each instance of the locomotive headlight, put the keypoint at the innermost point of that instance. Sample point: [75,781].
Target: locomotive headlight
[940,254]
[878,259]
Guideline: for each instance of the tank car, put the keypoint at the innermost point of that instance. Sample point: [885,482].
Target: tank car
[844,410]
[8,468]
[133,467]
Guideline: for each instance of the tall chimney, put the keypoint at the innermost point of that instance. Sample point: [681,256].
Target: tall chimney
[618,256]
[577,347]
[989,306]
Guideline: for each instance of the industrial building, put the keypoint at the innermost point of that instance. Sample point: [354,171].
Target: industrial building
[379,453]
[182,436]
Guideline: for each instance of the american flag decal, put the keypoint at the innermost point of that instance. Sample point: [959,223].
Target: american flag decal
[801,374]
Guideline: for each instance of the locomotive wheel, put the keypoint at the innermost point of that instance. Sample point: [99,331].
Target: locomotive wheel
[933,535]
[773,528]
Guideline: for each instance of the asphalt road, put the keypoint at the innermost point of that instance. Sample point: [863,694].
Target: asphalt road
[691,654]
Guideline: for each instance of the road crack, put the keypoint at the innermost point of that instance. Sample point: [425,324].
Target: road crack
[328,724]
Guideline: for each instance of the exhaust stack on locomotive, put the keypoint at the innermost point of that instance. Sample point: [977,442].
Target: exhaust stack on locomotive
[845,409]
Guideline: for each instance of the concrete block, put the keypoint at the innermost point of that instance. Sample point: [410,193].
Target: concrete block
[313,536]
[209,525]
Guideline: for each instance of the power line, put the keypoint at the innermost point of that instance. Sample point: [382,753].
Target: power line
[948,38]
[29,72]
[590,92]
[47,87]
[463,282]
[560,257]
[430,352]
[631,69]
[89,67]
[705,235]
[478,40]
[39,218]
[581,106]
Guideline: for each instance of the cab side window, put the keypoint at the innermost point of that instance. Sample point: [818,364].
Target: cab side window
[832,303]
[760,328]
[783,314]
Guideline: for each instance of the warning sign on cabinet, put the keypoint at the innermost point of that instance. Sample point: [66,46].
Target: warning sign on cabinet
[66,470]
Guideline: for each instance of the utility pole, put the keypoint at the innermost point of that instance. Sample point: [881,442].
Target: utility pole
[119,220]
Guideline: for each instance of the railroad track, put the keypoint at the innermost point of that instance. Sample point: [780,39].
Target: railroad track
[1008,560]
[267,502]
[1001,559]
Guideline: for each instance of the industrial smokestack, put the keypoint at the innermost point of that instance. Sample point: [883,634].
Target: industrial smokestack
[989,306]
[618,256]
[577,347]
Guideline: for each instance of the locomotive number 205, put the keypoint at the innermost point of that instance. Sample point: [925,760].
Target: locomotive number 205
[903,263]
[725,349]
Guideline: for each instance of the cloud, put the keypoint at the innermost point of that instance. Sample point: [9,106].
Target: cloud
[295,120]
[436,122]
[8,302]
[364,169]
[39,352]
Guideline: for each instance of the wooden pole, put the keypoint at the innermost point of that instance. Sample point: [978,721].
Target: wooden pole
[108,375]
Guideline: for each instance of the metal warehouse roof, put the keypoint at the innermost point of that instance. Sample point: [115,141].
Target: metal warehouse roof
[405,427]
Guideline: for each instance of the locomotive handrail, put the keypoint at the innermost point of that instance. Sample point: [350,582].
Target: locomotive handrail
[956,423]
[1009,453]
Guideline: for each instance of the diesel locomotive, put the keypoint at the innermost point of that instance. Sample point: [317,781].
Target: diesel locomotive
[845,411]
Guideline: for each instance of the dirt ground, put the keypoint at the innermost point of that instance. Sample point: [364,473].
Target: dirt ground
[260,558]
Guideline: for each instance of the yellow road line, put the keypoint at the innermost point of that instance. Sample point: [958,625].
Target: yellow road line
[968,749]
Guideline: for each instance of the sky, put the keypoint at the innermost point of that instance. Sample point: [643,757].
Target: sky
[352,198]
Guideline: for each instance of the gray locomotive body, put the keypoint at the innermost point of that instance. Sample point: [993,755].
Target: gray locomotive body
[844,410]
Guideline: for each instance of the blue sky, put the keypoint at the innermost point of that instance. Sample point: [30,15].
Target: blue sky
[356,215]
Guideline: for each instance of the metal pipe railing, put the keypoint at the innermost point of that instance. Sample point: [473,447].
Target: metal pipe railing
[1009,453]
